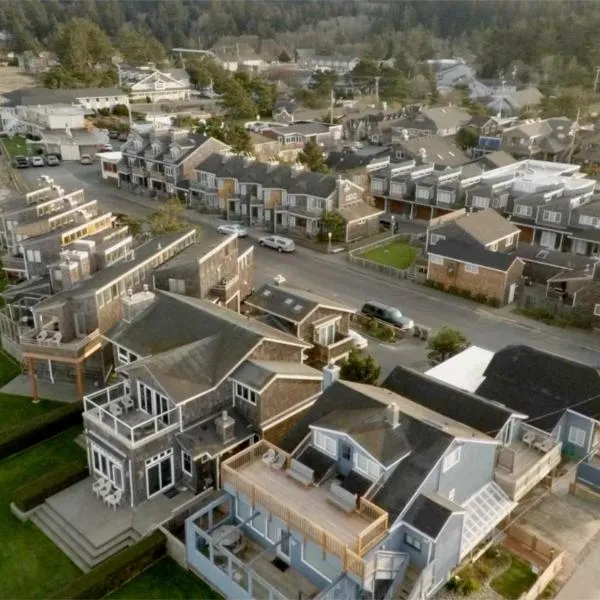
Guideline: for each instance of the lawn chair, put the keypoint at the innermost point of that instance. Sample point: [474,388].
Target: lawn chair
[115,409]
[113,500]
[127,403]
[42,335]
[269,456]
[98,485]
[106,490]
[279,462]
[57,337]
[529,438]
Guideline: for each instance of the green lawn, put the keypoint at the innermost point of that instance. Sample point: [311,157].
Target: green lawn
[516,580]
[31,566]
[165,580]
[9,368]
[16,145]
[15,410]
[396,254]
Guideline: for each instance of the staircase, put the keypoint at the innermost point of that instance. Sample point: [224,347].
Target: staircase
[410,578]
[76,546]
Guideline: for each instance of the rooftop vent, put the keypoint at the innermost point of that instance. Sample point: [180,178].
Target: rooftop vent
[267,293]
[288,301]
[225,426]
[298,308]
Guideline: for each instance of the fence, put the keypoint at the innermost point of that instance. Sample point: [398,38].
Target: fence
[534,298]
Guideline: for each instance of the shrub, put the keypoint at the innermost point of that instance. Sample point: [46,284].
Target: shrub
[105,112]
[452,289]
[32,494]
[481,298]
[117,570]
[494,302]
[120,110]
[39,429]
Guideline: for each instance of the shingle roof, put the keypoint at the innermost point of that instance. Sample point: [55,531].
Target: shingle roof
[439,150]
[562,260]
[459,405]
[541,385]
[429,514]
[357,211]
[258,373]
[485,226]
[35,96]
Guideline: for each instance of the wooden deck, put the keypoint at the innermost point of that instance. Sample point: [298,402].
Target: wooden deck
[308,501]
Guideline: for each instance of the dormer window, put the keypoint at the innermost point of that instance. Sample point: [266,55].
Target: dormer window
[326,443]
[175,152]
[137,144]
[245,393]
[156,147]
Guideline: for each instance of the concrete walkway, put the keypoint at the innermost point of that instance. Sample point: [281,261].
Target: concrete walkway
[61,391]
[584,584]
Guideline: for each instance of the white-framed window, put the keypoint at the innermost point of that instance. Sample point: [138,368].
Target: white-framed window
[107,466]
[445,196]
[452,494]
[186,463]
[176,286]
[325,333]
[153,403]
[34,256]
[576,436]
[159,472]
[587,220]
[480,202]
[451,460]
[552,216]
[509,240]
[366,466]
[242,510]
[436,260]
[548,239]
[597,310]
[326,443]
[494,246]
[423,193]
[412,541]
[170,171]
[122,355]
[579,247]
[471,268]
[524,211]
[245,393]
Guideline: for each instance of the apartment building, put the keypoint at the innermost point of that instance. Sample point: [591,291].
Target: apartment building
[279,197]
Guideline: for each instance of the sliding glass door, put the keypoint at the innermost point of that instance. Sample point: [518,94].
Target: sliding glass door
[159,472]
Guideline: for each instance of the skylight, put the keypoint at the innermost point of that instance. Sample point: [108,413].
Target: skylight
[267,293]
[298,307]
[288,301]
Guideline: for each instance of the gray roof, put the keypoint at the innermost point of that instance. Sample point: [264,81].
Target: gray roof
[186,141]
[269,176]
[429,513]
[461,250]
[563,260]
[259,373]
[439,150]
[35,96]
[496,159]
[289,303]
[308,128]
[484,226]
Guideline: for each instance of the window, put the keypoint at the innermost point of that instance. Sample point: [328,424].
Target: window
[597,310]
[451,494]
[176,286]
[576,436]
[245,393]
[509,241]
[326,443]
[412,541]
[159,472]
[587,220]
[34,256]
[122,355]
[552,216]
[366,466]
[494,246]
[471,268]
[325,334]
[548,239]
[242,510]
[186,463]
[423,193]
[451,460]
[524,211]
[105,465]
[169,171]
[480,202]
[436,260]
[445,197]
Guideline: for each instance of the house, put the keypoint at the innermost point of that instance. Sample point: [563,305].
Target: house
[550,139]
[279,197]
[36,63]
[299,133]
[369,493]
[494,160]
[197,383]
[284,108]
[357,163]
[161,161]
[440,151]
[214,269]
[584,228]
[172,84]
[474,253]
[58,333]
[507,100]
[310,317]
[442,121]
[313,62]
[526,454]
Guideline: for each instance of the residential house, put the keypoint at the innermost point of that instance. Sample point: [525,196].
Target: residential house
[198,383]
[313,62]
[265,148]
[214,269]
[368,494]
[284,108]
[357,163]
[440,151]
[494,160]
[172,85]
[474,253]
[315,319]
[162,161]
[59,336]
[584,228]
[279,197]
[550,139]
[508,100]
[558,398]
[299,133]
[442,121]
[36,62]
[527,453]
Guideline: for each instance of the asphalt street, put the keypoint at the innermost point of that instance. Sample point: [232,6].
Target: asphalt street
[333,276]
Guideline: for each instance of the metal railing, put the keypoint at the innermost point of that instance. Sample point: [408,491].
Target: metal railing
[97,406]
[52,343]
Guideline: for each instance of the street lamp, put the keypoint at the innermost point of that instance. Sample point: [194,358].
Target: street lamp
[329,249]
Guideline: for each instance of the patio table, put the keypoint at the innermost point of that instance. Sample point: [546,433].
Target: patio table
[227,535]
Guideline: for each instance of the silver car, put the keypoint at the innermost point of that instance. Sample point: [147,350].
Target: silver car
[277,242]
[232,228]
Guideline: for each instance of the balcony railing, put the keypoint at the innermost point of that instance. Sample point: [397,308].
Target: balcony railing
[334,351]
[158,175]
[49,343]
[123,167]
[351,557]
[139,171]
[108,408]
[13,263]
[198,185]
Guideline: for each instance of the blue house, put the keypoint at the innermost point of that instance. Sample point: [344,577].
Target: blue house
[368,495]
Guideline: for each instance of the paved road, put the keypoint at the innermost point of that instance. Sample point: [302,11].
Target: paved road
[335,277]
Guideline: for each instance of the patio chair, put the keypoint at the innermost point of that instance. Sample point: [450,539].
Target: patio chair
[98,485]
[279,462]
[529,438]
[57,337]
[115,410]
[127,403]
[42,335]
[269,456]
[114,499]
[546,445]
[104,491]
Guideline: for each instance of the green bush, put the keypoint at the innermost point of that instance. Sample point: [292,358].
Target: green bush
[494,302]
[36,430]
[33,493]
[117,570]
[378,330]
[481,298]
[465,582]
[452,289]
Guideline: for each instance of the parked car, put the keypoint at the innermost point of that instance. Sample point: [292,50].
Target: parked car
[37,161]
[46,179]
[277,242]
[389,314]
[106,148]
[123,136]
[86,159]
[113,134]
[52,160]
[360,342]
[20,162]
[232,228]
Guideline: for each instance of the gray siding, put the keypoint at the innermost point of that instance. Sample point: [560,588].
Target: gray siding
[576,421]
[446,552]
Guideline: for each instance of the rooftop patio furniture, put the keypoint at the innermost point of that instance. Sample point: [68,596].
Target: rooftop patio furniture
[269,456]
[341,498]
[57,337]
[279,461]
[529,438]
[127,403]
[104,491]
[99,484]
[544,444]
[42,335]
[300,472]
[114,499]
[115,409]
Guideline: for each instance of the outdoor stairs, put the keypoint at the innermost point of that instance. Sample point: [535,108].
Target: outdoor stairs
[79,549]
[412,574]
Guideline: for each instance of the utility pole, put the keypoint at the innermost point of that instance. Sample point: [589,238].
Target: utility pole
[377,89]
[574,129]
[331,107]
[596,79]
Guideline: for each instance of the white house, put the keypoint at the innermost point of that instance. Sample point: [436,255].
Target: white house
[162,85]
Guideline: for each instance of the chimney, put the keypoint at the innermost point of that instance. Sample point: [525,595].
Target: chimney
[392,415]
[331,373]
[225,426]
[134,304]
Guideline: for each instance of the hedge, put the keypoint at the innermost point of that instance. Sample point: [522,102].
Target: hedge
[117,570]
[32,494]
[40,428]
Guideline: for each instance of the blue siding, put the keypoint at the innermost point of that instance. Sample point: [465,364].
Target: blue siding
[396,542]
[446,552]
[589,473]
[574,420]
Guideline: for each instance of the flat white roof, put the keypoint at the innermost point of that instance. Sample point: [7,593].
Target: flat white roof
[110,156]
[465,370]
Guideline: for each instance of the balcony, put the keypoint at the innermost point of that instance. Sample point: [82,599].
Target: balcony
[14,264]
[346,535]
[48,344]
[123,167]
[227,287]
[522,464]
[200,186]
[156,175]
[116,412]
[139,171]
[335,351]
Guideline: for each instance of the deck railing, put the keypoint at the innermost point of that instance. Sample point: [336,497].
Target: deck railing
[351,558]
[76,348]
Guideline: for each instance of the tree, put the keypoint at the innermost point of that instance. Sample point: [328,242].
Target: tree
[232,134]
[81,45]
[284,57]
[312,157]
[137,47]
[332,222]
[361,368]
[466,138]
[238,102]
[167,218]
[445,344]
